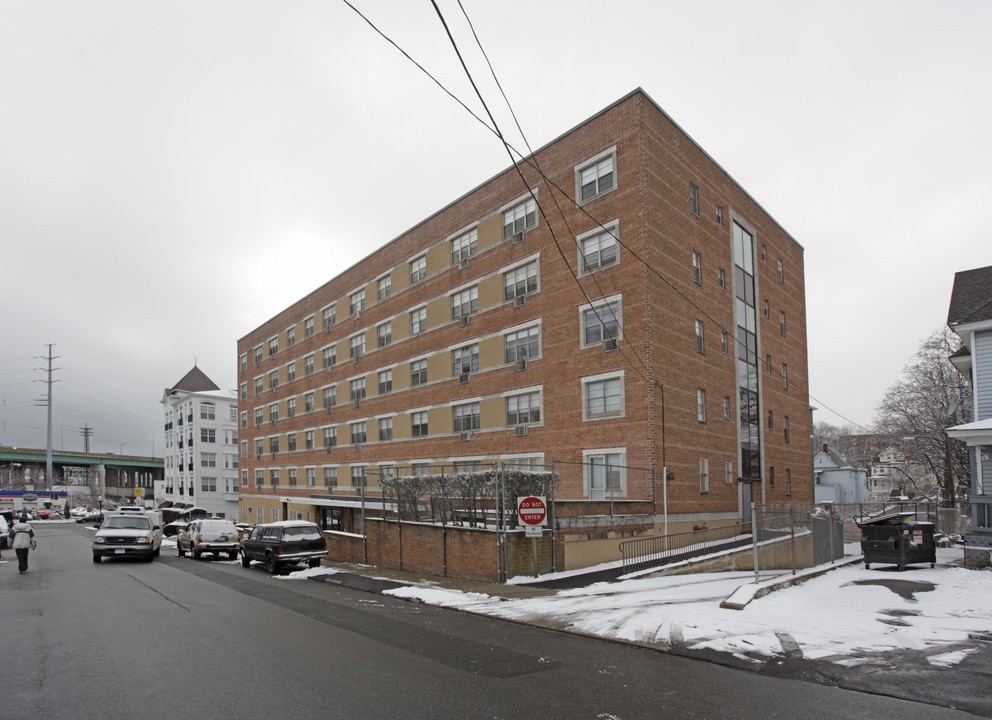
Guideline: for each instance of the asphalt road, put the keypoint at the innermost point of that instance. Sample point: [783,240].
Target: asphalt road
[181,638]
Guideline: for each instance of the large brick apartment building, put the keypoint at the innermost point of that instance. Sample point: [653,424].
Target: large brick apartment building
[659,323]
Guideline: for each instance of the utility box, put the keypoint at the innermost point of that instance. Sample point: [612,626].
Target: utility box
[897,539]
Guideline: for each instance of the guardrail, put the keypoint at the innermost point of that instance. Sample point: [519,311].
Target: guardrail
[644,553]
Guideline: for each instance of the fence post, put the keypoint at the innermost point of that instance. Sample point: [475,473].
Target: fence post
[792,534]
[754,542]
[831,534]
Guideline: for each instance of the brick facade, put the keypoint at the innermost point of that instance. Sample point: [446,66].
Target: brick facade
[578,399]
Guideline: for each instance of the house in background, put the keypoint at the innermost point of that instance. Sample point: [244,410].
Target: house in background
[970,317]
[892,475]
[837,479]
[201,446]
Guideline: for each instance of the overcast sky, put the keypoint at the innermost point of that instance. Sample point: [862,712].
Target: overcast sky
[173,174]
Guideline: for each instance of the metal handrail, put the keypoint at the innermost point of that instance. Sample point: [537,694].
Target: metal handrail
[644,553]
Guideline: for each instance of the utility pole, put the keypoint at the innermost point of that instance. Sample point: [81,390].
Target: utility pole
[47,402]
[86,431]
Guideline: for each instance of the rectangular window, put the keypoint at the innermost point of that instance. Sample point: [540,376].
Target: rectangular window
[273,413]
[704,475]
[328,356]
[291,407]
[244,420]
[464,246]
[384,333]
[771,477]
[785,376]
[258,447]
[356,302]
[694,199]
[308,365]
[292,477]
[274,445]
[771,419]
[519,219]
[728,473]
[599,250]
[208,435]
[208,411]
[520,281]
[291,372]
[723,279]
[274,481]
[330,395]
[465,360]
[600,323]
[330,437]
[785,427]
[259,478]
[726,407]
[359,476]
[258,386]
[781,272]
[356,345]
[701,405]
[358,432]
[697,267]
[208,459]
[418,269]
[330,477]
[385,429]
[595,179]
[418,321]
[724,342]
[384,287]
[243,391]
[700,346]
[308,327]
[523,344]
[311,477]
[419,423]
[781,322]
[465,303]
[258,355]
[788,481]
[719,215]
[208,484]
[309,439]
[357,389]
[327,318]
[291,337]
[243,361]
[385,381]
[418,372]
[273,380]
[523,409]
[273,346]
[465,417]
[602,397]
[604,474]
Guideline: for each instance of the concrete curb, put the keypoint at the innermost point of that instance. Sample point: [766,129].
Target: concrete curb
[739,599]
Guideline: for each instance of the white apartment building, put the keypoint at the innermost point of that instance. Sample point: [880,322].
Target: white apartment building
[201,446]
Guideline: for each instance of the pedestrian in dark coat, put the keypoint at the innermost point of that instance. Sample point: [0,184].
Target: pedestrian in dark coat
[22,536]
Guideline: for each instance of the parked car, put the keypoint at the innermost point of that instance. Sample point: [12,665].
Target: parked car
[212,535]
[4,532]
[281,543]
[127,535]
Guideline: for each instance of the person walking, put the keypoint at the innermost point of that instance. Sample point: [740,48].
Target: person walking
[23,540]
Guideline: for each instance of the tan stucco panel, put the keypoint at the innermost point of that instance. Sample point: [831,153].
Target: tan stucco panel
[438,366]
[438,312]
[492,413]
[439,420]
[490,292]
[491,352]
[401,425]
[438,258]
[490,232]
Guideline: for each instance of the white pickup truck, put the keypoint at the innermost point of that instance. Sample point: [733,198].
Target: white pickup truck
[128,534]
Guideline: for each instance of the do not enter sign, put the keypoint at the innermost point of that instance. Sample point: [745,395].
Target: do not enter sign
[532,510]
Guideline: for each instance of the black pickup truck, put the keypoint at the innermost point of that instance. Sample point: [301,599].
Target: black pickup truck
[284,543]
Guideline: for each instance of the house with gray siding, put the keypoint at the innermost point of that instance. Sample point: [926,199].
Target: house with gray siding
[970,317]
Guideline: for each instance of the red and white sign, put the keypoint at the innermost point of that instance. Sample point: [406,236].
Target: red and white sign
[532,511]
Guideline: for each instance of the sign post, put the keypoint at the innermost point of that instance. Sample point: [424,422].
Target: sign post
[532,514]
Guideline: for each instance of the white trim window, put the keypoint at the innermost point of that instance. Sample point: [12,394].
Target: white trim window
[418,424]
[384,333]
[701,405]
[327,317]
[330,477]
[520,281]
[464,246]
[418,269]
[465,417]
[311,477]
[308,327]
[385,429]
[704,475]
[385,381]
[519,219]
[357,391]
[330,395]
[465,360]
[308,364]
[599,249]
[465,302]
[523,344]
[331,436]
[384,287]
[603,396]
[596,178]
[605,473]
[356,345]
[329,356]
[208,411]
[359,432]
[356,302]
[418,320]
[601,322]
[418,373]
[523,409]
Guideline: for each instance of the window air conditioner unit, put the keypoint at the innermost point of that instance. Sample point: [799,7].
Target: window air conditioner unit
[273,453]
[272,421]
[329,449]
[357,358]
[521,365]
[463,263]
[463,378]
[258,456]
[358,402]
[327,368]
[463,320]
[610,345]
[358,447]
[519,301]
[358,314]
[466,436]
[521,430]
[328,408]
[517,238]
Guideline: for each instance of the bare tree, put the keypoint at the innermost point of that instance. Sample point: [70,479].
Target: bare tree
[916,411]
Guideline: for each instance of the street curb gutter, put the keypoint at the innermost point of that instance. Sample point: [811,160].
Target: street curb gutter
[739,599]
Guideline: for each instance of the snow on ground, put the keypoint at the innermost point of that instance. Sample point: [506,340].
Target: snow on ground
[841,616]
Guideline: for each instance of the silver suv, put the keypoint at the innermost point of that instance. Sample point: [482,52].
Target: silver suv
[212,535]
[127,535]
